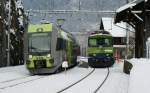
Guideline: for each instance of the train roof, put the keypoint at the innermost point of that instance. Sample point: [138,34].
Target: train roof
[42,27]
[100,32]
[48,27]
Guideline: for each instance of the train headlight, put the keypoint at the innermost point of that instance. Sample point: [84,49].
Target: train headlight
[94,54]
[107,55]
[49,55]
[30,56]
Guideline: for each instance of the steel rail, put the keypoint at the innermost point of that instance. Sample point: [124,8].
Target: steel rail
[62,90]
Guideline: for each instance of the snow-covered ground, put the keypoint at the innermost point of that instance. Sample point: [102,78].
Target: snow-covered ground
[10,73]
[117,81]
[140,76]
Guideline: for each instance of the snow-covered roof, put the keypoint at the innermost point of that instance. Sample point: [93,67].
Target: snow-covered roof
[129,5]
[100,34]
[114,29]
[125,7]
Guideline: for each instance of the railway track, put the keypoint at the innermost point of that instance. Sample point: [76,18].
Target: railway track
[62,90]
[96,90]
[23,80]
[14,79]
[82,79]
[19,81]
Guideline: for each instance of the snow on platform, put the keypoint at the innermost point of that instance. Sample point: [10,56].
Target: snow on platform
[82,59]
[139,76]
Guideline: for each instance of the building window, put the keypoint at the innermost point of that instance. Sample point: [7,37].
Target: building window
[119,40]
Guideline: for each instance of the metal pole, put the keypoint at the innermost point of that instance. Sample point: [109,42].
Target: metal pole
[127,38]
[127,42]
[79,5]
[145,29]
[8,34]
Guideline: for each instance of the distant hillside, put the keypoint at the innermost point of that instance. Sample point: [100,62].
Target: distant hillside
[74,22]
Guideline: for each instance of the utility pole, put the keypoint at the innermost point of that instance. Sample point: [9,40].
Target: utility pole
[127,38]
[79,5]
[145,27]
[8,34]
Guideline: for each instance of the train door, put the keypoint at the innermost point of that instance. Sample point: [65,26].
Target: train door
[69,52]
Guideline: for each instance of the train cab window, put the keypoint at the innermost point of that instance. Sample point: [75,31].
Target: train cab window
[92,42]
[107,42]
[39,42]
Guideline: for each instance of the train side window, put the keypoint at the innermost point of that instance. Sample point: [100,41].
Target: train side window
[59,45]
[92,42]
[107,42]
[64,44]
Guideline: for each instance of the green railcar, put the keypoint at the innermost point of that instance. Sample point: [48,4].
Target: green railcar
[100,49]
[47,47]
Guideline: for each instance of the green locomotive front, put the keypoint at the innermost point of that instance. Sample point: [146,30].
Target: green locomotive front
[100,49]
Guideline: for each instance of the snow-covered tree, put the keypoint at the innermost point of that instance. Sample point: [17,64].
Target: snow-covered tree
[2,33]
[14,24]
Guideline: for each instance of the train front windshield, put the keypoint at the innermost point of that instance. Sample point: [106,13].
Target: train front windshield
[100,42]
[39,42]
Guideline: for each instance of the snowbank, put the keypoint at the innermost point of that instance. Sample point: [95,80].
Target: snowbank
[139,81]
[82,59]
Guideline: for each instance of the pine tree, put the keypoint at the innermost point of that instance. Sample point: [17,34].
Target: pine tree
[2,33]
[15,29]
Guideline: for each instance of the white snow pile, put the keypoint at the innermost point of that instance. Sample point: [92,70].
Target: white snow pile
[82,59]
[19,4]
[139,81]
[20,9]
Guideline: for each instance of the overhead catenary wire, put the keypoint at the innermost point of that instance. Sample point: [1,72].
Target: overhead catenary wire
[125,28]
[78,11]
[68,11]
